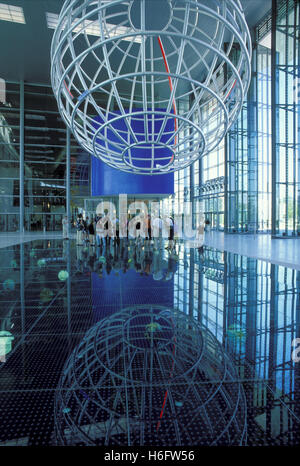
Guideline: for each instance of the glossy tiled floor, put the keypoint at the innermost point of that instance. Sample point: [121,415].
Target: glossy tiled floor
[280,251]
[128,345]
[12,238]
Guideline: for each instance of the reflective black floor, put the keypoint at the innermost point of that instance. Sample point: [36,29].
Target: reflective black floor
[135,346]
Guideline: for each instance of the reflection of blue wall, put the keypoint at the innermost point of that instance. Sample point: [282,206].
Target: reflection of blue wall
[129,289]
[110,181]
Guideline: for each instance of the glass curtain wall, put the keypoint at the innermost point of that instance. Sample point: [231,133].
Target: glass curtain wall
[264,134]
[205,186]
[212,187]
[182,178]
[252,307]
[9,157]
[44,161]
[286,151]
[80,177]
[254,194]
[241,163]
[238,171]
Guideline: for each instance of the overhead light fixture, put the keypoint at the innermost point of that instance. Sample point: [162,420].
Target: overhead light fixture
[34,117]
[40,137]
[14,14]
[91,28]
[51,186]
[34,151]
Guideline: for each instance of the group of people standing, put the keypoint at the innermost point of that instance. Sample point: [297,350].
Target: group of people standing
[85,230]
[102,228]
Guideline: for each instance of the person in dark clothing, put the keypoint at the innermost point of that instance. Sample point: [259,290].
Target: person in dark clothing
[100,231]
[207,226]
[80,229]
[86,230]
[148,223]
[117,231]
[91,230]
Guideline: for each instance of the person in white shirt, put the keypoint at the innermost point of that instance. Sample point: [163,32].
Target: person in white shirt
[168,231]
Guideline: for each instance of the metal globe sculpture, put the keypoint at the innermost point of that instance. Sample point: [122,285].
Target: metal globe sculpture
[150,86]
[149,376]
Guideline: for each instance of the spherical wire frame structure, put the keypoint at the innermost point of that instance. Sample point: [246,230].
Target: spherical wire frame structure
[149,375]
[150,90]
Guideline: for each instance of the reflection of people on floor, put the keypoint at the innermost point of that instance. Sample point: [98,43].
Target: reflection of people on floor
[92,260]
[66,250]
[147,262]
[80,231]
[172,266]
[79,259]
[156,229]
[157,266]
[65,222]
[124,255]
[108,260]
[200,231]
[201,252]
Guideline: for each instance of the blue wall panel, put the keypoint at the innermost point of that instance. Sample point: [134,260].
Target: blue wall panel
[107,181]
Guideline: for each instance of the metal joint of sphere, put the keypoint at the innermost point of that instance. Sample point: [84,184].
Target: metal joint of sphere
[150,86]
[149,375]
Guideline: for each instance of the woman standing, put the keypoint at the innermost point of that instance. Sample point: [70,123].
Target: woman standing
[86,230]
[170,226]
[207,226]
[80,228]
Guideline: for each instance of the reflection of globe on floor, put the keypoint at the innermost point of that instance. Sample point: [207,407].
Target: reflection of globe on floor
[63,275]
[41,263]
[235,332]
[149,375]
[5,343]
[13,264]
[9,284]
[46,295]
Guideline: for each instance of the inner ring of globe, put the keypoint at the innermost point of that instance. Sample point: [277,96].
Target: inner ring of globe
[160,147]
[157,15]
[148,155]
[149,333]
